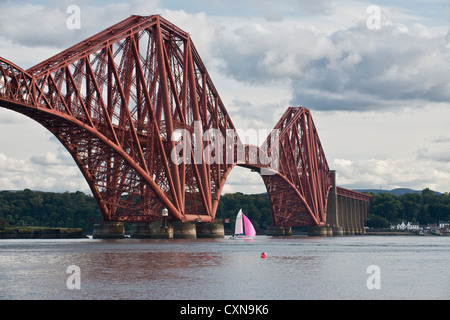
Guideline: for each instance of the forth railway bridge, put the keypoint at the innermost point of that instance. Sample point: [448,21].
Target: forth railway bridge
[137,110]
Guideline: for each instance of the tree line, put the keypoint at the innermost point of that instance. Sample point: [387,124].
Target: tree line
[427,207]
[78,210]
[48,209]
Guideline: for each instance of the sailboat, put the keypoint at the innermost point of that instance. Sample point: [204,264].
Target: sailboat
[243,223]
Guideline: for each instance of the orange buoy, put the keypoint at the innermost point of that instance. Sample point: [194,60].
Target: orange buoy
[263,255]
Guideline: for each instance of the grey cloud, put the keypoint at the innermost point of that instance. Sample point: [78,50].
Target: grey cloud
[313,7]
[47,159]
[60,158]
[352,69]
[273,16]
[36,25]
[303,7]
[439,156]
[248,115]
[389,173]
[441,139]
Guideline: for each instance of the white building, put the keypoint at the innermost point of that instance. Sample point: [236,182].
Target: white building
[443,224]
[409,226]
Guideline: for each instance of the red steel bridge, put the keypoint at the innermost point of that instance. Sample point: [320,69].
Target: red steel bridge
[136,108]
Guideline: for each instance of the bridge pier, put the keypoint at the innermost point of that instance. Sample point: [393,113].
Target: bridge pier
[184,230]
[279,231]
[212,230]
[179,230]
[109,230]
[333,217]
[163,233]
[346,210]
[337,231]
[154,230]
[325,231]
[352,210]
[317,231]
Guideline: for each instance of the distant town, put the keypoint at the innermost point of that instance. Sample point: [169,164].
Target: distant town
[440,229]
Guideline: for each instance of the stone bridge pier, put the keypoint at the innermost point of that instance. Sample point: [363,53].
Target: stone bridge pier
[346,212]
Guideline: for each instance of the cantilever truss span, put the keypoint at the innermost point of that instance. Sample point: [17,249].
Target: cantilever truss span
[124,99]
[298,191]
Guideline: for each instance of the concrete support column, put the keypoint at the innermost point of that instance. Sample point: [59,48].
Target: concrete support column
[184,230]
[329,231]
[332,205]
[154,230]
[109,230]
[210,230]
[361,216]
[279,231]
[345,215]
[337,231]
[349,213]
[342,215]
[163,233]
[317,231]
[140,230]
[356,213]
[364,214]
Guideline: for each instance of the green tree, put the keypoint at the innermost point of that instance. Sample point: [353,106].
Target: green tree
[388,206]
[374,221]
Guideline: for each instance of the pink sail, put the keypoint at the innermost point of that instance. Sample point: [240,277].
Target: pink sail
[249,229]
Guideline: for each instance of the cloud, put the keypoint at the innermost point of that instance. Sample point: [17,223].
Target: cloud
[440,156]
[48,159]
[352,69]
[44,24]
[46,172]
[441,139]
[298,7]
[349,68]
[265,57]
[391,173]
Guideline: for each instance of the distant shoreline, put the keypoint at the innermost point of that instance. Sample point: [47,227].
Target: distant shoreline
[41,233]
[403,233]
[390,233]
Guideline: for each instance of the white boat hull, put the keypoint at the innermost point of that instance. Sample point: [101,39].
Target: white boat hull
[241,237]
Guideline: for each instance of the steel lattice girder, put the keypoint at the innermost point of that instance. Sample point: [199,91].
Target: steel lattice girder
[298,191]
[116,101]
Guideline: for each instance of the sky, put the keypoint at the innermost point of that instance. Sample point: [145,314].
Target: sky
[375,76]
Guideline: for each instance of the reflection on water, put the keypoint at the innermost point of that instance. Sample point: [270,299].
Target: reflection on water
[295,268]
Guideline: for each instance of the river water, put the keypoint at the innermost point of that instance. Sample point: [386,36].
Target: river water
[296,268]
